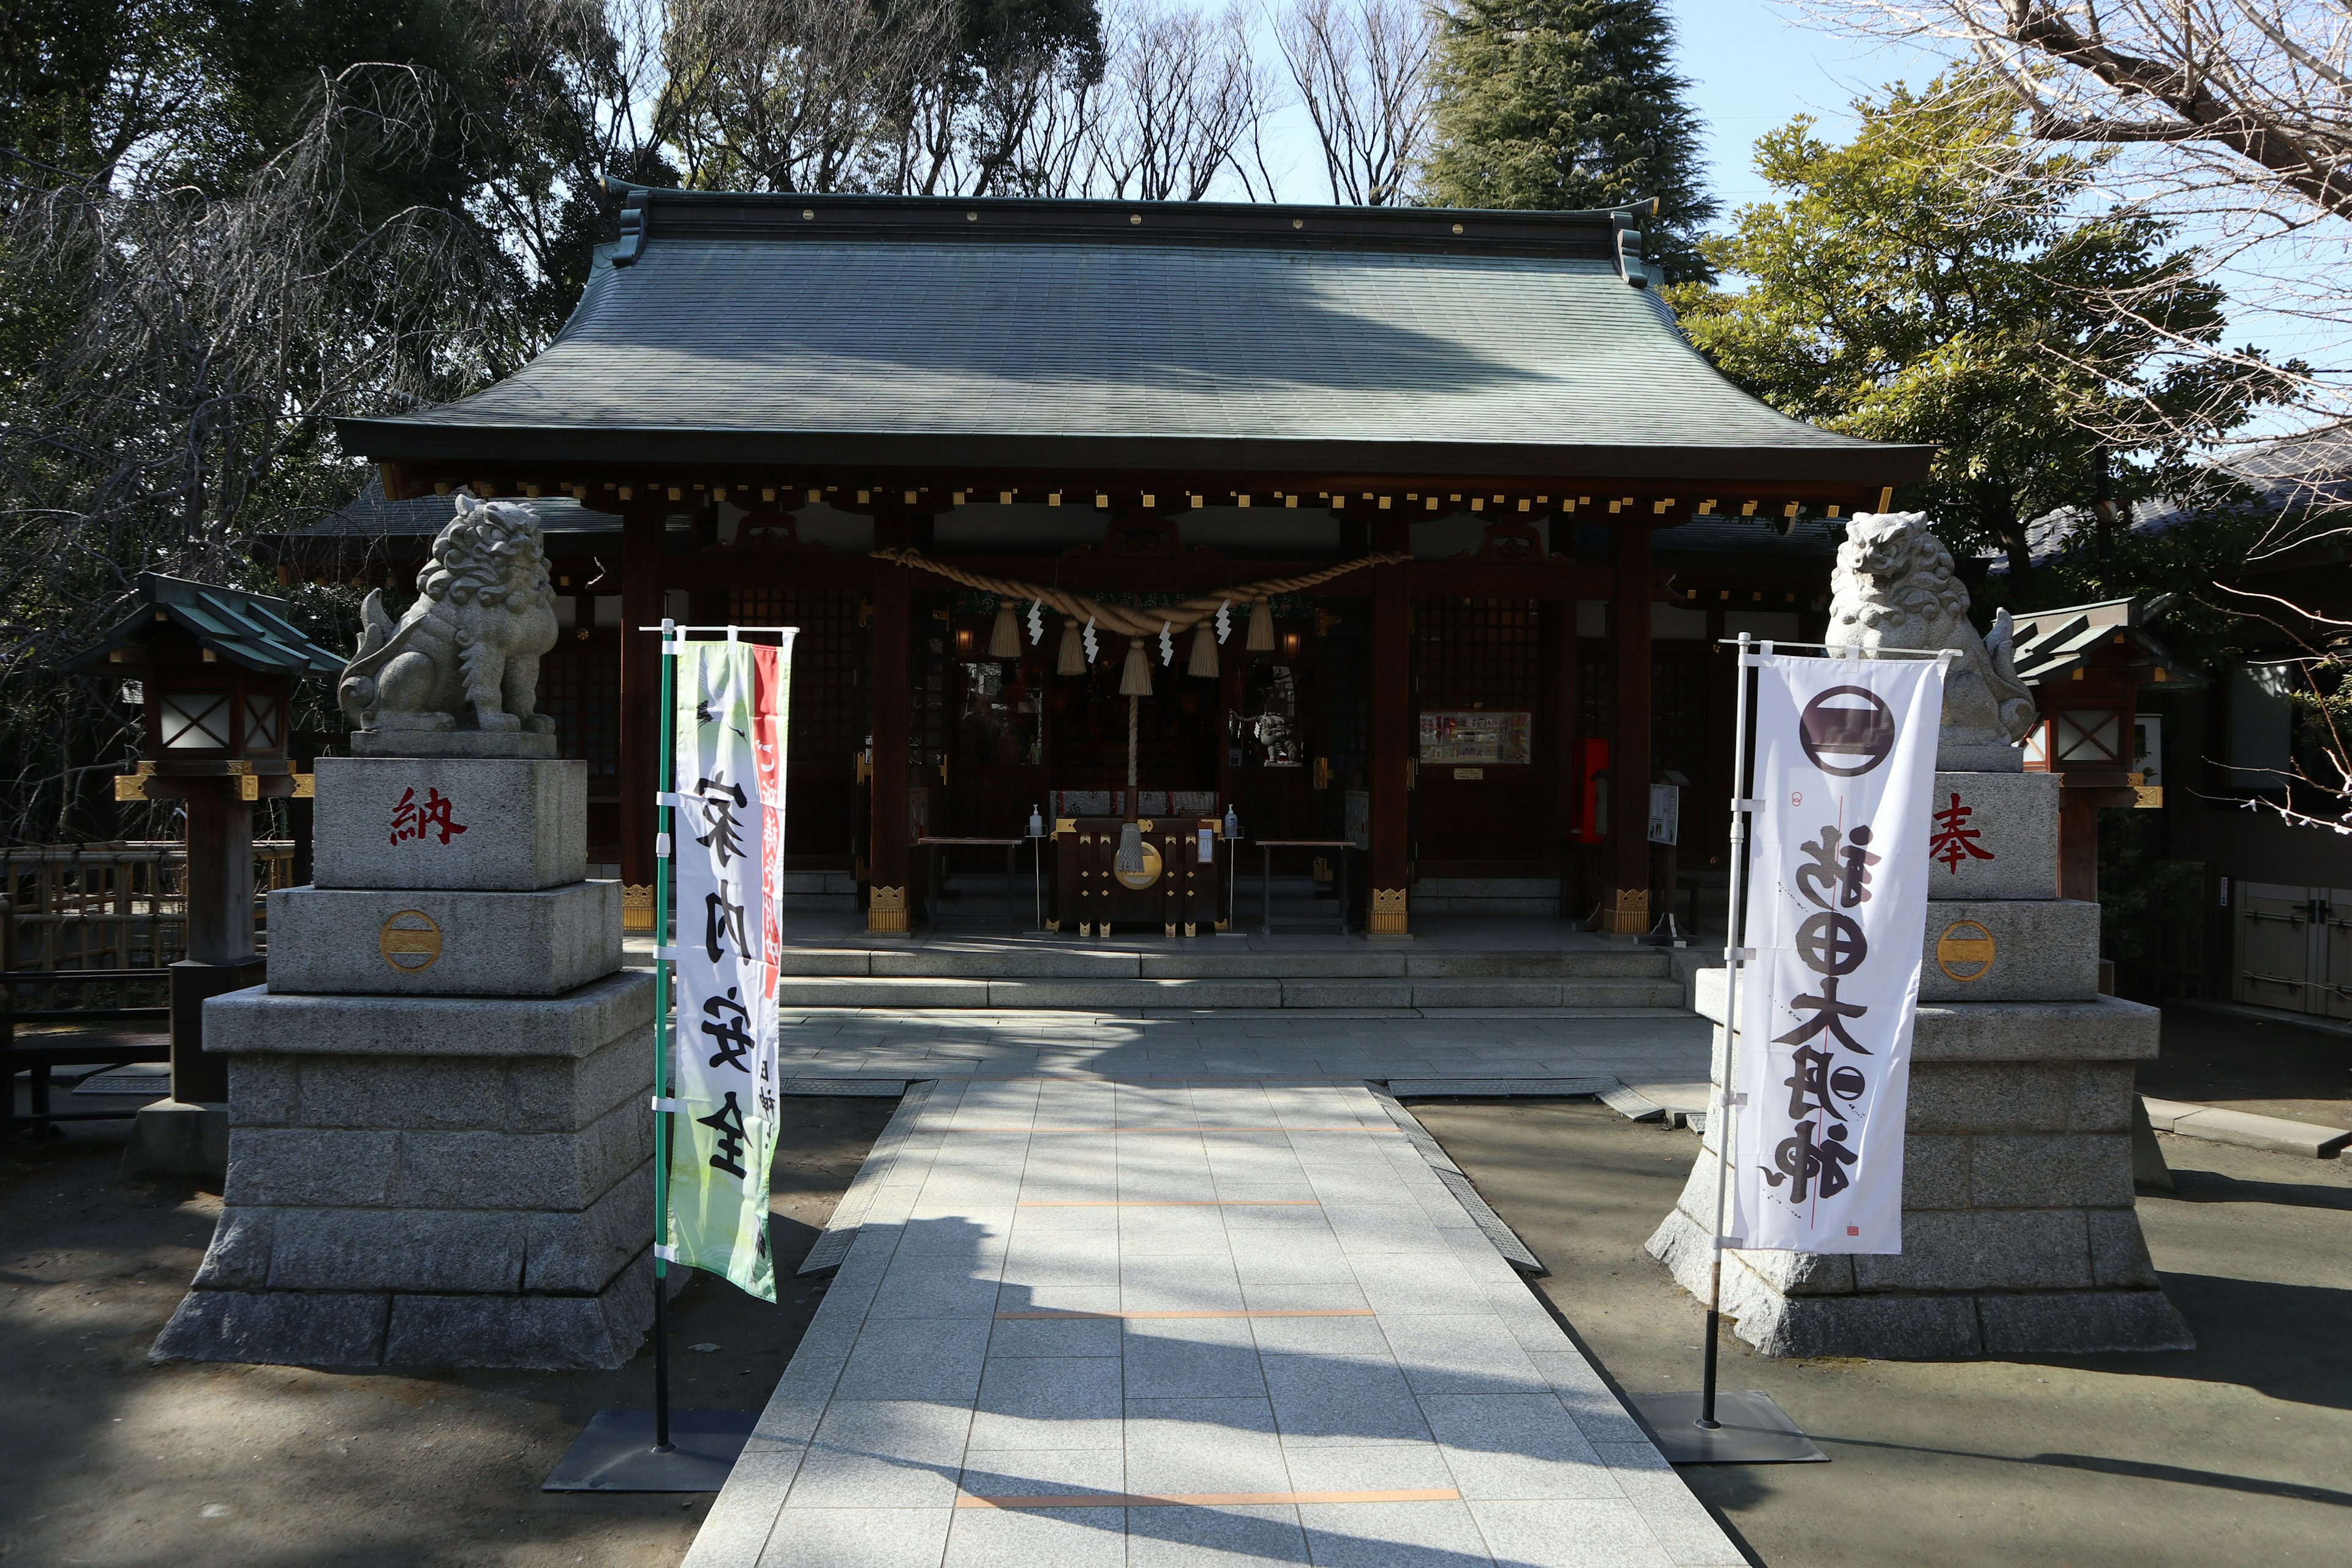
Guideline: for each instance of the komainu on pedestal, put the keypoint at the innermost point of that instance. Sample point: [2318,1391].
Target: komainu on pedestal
[2020,1232]
[440,1151]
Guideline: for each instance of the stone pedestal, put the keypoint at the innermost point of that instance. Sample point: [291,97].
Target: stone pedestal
[439,1149]
[2019,1234]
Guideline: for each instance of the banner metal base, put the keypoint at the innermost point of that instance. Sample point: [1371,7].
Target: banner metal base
[616,1453]
[1751,1429]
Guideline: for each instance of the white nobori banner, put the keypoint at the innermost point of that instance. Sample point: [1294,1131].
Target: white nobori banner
[1836,907]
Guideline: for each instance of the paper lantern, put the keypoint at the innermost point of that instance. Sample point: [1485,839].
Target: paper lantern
[1261,627]
[1135,680]
[1072,657]
[1204,662]
[1005,637]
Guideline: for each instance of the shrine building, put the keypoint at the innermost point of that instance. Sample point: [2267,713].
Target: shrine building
[1494,509]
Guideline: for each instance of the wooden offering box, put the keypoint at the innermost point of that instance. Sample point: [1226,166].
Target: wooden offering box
[1181,886]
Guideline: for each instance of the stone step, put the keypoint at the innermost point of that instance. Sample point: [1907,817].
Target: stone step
[949,960]
[1464,904]
[1095,995]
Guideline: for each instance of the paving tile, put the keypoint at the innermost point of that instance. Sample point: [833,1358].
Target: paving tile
[1043,1472]
[1569,1534]
[1021,1538]
[1190,1357]
[1046,1337]
[1179,1282]
[1027,1298]
[1223,1537]
[1393,1466]
[1515,1445]
[917,1358]
[1170,1457]
[1470,1354]
[858,1536]
[1680,1521]
[936,1287]
[883,1454]
[1392,1535]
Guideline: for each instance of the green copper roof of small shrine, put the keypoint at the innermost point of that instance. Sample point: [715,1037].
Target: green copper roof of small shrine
[1007,333]
[248,629]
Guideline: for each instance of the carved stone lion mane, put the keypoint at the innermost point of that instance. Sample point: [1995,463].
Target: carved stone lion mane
[465,655]
[1894,588]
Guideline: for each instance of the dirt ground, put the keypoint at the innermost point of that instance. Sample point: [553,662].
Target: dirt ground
[2233,1453]
[113,1462]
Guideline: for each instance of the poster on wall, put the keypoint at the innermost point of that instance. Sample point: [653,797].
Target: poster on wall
[1836,911]
[731,722]
[1475,735]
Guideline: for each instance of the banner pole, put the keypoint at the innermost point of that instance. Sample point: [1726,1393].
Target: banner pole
[1736,928]
[663,936]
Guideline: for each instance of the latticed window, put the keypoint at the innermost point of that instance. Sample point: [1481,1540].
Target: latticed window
[828,704]
[1678,717]
[580,687]
[1477,653]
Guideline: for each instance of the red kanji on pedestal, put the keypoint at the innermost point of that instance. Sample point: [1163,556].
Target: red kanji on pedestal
[414,819]
[1955,841]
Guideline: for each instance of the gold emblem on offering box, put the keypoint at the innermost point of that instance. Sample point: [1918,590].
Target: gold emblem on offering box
[1152,867]
[1965,951]
[410,941]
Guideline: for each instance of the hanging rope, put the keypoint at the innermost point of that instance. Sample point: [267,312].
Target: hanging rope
[1137,622]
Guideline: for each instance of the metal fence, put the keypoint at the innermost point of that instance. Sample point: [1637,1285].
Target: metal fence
[118,905]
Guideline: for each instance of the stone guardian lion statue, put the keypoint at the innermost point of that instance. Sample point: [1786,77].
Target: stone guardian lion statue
[1895,587]
[465,655]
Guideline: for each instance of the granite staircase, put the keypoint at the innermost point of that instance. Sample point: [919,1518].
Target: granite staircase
[1155,975]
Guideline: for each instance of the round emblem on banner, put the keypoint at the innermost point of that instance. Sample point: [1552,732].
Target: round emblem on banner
[1151,872]
[1965,951]
[1859,731]
[410,941]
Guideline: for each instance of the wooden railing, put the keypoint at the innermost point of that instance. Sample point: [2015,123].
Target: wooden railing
[116,905]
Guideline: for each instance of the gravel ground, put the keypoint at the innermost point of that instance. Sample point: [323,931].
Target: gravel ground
[114,1462]
[2233,1453]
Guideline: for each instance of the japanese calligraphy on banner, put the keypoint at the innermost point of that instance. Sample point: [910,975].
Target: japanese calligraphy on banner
[728,848]
[1837,906]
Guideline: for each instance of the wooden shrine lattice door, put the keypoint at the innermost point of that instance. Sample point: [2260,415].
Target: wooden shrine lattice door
[1478,688]
[828,717]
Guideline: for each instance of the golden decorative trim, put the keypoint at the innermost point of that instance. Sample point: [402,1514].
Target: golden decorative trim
[408,935]
[1965,951]
[1385,914]
[1169,930]
[306,786]
[885,912]
[636,907]
[1066,825]
[130,786]
[1192,929]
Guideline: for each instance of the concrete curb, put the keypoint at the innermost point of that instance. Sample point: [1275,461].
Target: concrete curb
[2246,1129]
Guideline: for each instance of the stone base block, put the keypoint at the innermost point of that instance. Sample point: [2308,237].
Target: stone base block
[358,941]
[1984,949]
[2103,1028]
[471,743]
[174,1138]
[1917,1325]
[450,824]
[415,1329]
[2001,842]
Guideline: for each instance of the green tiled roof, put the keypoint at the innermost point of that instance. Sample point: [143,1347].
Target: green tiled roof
[931,334]
[248,629]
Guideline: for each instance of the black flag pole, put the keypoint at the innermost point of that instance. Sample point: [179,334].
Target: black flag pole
[1711,1428]
[658,1451]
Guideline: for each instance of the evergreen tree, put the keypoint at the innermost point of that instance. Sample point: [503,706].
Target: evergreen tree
[1565,104]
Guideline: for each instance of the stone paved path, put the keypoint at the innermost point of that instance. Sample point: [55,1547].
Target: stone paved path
[1146,1320]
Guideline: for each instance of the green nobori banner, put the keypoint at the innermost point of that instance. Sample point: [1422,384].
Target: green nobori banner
[727,849]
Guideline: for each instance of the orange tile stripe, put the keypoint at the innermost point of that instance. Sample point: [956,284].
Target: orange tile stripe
[1169,1204]
[1234,1313]
[1206,1499]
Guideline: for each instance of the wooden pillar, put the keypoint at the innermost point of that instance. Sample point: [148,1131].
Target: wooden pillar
[1628,910]
[1558,739]
[886,898]
[641,718]
[1391,759]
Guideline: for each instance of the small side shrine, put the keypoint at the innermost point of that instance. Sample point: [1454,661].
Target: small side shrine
[215,668]
[2085,664]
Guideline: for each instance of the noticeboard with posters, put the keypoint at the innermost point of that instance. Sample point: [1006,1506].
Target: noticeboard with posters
[1492,736]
